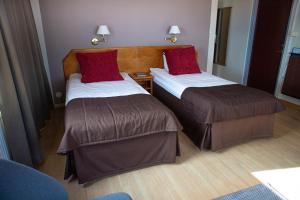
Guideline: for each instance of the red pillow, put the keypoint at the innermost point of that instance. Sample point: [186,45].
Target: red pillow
[101,66]
[182,61]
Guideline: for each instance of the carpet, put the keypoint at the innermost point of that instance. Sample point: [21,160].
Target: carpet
[256,192]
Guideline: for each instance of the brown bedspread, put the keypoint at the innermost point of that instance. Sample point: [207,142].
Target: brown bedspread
[92,121]
[228,102]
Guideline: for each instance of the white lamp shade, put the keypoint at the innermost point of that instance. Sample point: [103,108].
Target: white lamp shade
[174,30]
[103,30]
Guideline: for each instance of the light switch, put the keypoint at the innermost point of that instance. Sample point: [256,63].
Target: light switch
[296,50]
[294,34]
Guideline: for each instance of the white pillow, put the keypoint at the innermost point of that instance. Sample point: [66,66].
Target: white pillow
[165,63]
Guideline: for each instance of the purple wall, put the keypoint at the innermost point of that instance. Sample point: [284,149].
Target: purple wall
[70,24]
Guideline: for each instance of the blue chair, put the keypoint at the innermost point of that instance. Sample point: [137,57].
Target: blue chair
[21,182]
[115,196]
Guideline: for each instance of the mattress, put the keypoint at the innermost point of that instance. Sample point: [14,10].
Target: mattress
[177,84]
[77,89]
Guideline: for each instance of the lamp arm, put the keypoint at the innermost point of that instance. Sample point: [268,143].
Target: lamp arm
[97,39]
[172,38]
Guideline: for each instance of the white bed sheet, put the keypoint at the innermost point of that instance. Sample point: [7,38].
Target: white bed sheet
[177,84]
[77,89]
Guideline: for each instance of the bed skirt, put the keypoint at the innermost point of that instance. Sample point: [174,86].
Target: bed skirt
[219,135]
[102,160]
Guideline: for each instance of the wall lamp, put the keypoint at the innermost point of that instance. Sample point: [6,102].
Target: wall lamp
[173,32]
[102,31]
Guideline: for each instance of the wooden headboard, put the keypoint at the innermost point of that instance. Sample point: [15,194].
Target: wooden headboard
[130,59]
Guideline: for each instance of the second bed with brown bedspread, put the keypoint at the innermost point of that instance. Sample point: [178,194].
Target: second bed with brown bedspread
[221,116]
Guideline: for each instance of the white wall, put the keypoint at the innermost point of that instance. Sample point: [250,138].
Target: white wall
[239,30]
[293,40]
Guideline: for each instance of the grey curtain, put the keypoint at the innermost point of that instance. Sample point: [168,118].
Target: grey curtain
[25,98]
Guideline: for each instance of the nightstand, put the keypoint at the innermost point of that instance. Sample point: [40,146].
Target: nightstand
[145,81]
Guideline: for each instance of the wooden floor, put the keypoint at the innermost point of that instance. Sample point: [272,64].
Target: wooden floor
[197,174]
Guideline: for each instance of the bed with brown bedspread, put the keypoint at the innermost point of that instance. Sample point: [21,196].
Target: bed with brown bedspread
[222,116]
[107,136]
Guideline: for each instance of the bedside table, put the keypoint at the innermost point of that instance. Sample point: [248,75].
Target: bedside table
[145,81]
